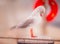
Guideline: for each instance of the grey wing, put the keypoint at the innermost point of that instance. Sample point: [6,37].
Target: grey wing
[26,23]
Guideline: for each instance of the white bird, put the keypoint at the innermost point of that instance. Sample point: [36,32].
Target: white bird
[36,19]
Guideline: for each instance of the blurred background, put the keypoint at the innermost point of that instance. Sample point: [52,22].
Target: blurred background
[13,12]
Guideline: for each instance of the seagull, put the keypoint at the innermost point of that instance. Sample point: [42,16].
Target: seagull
[36,19]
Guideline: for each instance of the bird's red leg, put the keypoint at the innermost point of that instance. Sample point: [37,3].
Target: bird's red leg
[32,34]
